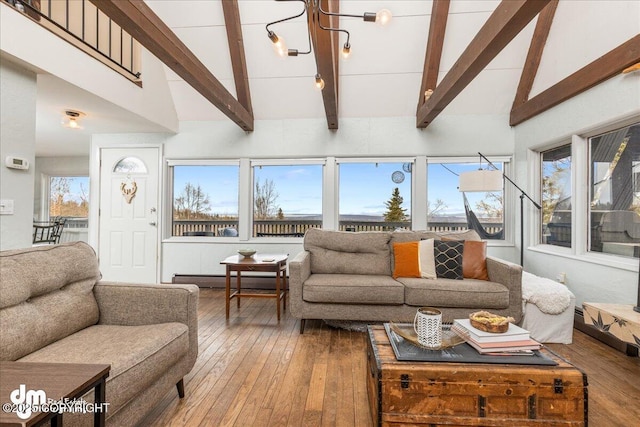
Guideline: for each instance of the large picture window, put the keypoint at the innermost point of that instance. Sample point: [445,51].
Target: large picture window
[287,199]
[614,196]
[450,209]
[374,195]
[205,200]
[556,196]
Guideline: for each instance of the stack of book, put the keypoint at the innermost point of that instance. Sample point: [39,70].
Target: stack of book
[515,341]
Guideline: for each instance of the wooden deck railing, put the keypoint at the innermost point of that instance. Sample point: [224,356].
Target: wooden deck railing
[297,228]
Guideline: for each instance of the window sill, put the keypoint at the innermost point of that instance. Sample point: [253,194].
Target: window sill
[615,261]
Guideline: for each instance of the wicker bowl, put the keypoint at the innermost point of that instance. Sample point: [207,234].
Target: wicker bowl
[489,322]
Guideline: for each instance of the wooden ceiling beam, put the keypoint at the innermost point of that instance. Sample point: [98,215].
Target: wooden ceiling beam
[603,68]
[509,18]
[433,55]
[531,64]
[136,18]
[326,54]
[236,51]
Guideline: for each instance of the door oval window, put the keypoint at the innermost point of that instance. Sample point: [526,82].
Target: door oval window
[130,165]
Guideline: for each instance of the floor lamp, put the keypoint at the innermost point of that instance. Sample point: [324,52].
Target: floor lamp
[637,307]
[485,180]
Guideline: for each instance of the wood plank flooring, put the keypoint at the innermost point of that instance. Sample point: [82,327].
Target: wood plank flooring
[256,372]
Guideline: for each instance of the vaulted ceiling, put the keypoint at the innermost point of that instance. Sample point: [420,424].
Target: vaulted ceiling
[515,58]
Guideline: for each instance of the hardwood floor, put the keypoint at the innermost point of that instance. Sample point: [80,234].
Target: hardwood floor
[256,372]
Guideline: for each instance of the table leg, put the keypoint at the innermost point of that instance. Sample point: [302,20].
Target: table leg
[278,292]
[238,288]
[285,288]
[227,291]
[100,397]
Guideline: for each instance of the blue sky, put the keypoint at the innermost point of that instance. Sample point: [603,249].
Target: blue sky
[364,187]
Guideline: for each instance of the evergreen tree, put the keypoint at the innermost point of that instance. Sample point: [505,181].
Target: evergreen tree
[395,212]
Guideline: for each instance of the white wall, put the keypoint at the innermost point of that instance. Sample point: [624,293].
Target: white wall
[17,138]
[592,277]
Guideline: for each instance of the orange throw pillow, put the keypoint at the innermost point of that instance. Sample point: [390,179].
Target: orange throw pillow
[406,260]
[474,260]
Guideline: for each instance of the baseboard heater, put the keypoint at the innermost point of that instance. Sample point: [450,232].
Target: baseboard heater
[217,281]
[610,340]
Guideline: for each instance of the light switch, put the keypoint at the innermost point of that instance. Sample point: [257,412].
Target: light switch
[6,207]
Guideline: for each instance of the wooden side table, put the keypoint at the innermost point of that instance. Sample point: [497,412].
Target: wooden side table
[619,320]
[264,263]
[59,381]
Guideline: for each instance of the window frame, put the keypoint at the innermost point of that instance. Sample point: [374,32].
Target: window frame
[509,192]
[45,193]
[580,182]
[253,163]
[168,205]
[352,160]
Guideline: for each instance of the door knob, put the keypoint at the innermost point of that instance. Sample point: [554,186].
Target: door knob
[152,223]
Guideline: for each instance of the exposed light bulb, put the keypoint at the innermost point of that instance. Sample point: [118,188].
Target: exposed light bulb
[279,45]
[383,17]
[71,119]
[346,51]
[319,82]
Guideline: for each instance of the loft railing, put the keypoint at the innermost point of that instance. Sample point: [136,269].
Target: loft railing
[82,24]
[297,228]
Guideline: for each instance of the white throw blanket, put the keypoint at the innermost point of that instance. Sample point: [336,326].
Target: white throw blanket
[549,296]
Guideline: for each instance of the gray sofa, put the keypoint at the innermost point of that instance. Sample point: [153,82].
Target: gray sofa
[54,308]
[348,276]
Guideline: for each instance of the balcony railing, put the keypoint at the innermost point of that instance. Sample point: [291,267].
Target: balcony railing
[82,24]
[297,228]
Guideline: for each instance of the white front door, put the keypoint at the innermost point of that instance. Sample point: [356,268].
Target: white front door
[128,233]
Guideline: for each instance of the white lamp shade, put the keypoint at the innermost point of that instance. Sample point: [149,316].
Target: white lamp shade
[481,180]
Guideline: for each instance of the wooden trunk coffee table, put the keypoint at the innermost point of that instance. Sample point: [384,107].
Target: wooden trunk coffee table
[273,263]
[59,381]
[471,394]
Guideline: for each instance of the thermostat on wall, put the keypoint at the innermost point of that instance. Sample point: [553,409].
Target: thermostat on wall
[16,163]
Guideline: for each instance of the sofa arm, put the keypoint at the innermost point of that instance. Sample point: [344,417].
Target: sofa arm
[299,271]
[509,275]
[146,304]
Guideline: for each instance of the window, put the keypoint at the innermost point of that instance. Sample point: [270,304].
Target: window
[450,209]
[69,198]
[374,195]
[205,200]
[614,197]
[556,196]
[287,199]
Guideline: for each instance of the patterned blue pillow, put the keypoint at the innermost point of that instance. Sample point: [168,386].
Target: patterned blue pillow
[448,257]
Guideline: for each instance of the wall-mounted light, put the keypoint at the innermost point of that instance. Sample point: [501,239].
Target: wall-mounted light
[71,119]
[319,82]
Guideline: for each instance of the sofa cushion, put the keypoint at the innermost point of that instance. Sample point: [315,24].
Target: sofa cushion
[138,355]
[46,293]
[448,255]
[467,293]
[427,259]
[348,253]
[406,260]
[414,235]
[352,289]
[474,260]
